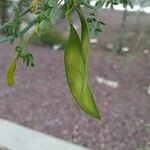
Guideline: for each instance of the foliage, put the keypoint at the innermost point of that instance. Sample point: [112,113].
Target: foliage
[77,49]
[48,38]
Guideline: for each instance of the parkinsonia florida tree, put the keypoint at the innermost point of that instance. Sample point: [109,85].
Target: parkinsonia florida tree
[76,57]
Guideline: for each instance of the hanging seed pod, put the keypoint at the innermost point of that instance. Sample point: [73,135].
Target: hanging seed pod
[75,72]
[11,73]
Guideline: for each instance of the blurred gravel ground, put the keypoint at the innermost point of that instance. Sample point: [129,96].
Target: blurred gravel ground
[41,99]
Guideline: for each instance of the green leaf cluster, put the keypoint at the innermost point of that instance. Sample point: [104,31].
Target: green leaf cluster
[23,53]
[13,26]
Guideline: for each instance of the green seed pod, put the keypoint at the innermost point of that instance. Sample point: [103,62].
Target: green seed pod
[75,72]
[11,73]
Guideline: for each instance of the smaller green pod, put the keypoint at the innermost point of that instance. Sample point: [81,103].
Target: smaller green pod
[11,73]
